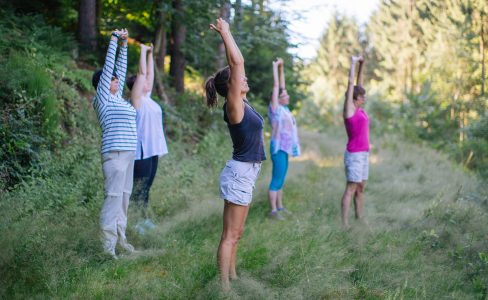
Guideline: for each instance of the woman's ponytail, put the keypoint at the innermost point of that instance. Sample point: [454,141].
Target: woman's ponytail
[211,92]
[217,83]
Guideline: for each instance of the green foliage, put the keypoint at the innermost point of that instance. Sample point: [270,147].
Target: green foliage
[328,71]
[425,77]
[39,108]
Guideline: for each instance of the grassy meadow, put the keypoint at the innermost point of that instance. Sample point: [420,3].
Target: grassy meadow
[424,234]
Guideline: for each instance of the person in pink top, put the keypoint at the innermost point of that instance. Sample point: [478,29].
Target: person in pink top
[356,155]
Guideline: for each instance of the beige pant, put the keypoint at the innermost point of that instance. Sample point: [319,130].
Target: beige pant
[118,171]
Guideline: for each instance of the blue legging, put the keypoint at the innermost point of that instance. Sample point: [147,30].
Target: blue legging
[280,167]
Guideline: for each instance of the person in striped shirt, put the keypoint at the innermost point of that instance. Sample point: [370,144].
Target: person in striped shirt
[117,119]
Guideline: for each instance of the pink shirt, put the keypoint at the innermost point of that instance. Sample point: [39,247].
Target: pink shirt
[357,128]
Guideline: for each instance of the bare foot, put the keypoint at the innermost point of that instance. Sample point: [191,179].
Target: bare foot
[225,286]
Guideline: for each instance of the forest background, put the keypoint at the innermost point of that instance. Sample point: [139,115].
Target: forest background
[425,79]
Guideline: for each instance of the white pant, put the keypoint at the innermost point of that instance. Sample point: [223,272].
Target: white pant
[118,171]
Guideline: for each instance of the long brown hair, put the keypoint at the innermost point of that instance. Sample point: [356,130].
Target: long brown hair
[217,83]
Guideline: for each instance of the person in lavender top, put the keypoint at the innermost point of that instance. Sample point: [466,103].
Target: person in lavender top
[356,155]
[284,140]
[151,143]
[117,119]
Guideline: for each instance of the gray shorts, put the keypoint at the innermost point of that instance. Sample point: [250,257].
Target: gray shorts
[357,166]
[237,181]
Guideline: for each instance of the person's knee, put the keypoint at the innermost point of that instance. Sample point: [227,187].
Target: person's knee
[275,185]
[351,188]
[232,236]
[360,188]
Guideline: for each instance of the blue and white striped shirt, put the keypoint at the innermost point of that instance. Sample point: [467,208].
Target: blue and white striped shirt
[117,117]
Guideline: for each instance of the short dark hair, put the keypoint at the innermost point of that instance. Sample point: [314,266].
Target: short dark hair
[96,77]
[130,81]
[358,91]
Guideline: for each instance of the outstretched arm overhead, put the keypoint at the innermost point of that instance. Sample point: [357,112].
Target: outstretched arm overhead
[282,74]
[103,87]
[150,68]
[348,101]
[138,89]
[121,64]
[276,85]
[235,107]
[360,79]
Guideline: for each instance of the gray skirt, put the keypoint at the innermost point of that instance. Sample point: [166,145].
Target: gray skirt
[237,181]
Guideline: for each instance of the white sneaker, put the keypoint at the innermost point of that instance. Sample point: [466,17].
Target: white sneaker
[149,224]
[275,215]
[111,252]
[126,246]
[140,228]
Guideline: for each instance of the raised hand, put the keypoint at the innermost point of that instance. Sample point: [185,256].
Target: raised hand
[220,26]
[124,34]
[145,47]
[280,61]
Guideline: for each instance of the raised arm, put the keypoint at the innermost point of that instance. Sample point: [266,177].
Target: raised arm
[282,74]
[360,79]
[235,107]
[348,101]
[137,91]
[103,88]
[121,64]
[150,68]
[276,85]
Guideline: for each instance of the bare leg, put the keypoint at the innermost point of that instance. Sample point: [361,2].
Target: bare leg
[279,199]
[233,261]
[346,201]
[234,219]
[272,196]
[359,200]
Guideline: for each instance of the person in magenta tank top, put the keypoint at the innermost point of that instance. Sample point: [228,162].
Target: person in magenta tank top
[356,155]
[239,175]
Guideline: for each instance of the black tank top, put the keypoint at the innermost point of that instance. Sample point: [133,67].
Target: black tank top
[247,136]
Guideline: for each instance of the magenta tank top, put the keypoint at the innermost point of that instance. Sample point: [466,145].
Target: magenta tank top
[357,128]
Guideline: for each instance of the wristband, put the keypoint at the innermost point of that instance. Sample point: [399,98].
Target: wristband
[115,35]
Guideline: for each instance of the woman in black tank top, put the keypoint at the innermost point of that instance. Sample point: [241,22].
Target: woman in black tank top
[246,130]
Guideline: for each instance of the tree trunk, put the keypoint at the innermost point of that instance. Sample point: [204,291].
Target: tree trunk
[238,18]
[178,35]
[224,14]
[261,7]
[87,25]
[160,43]
[482,50]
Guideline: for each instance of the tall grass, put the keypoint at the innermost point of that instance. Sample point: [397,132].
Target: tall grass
[424,234]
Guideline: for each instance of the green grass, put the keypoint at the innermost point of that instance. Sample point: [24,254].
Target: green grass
[424,235]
